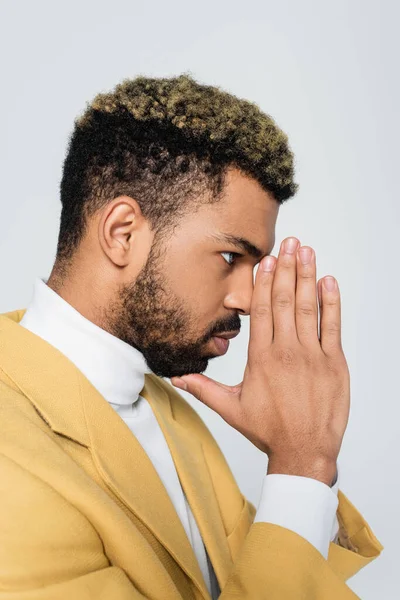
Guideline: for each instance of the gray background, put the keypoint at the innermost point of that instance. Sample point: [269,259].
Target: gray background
[328,73]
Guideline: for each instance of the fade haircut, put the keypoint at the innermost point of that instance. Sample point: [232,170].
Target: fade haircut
[166,142]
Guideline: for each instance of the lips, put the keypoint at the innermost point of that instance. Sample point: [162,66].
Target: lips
[228,335]
[221,344]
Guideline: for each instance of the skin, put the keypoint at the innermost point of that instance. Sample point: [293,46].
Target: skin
[294,400]
[169,301]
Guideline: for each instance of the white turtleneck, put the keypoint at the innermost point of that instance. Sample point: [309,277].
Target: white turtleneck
[117,370]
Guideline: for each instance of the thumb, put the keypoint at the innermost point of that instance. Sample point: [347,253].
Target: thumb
[223,399]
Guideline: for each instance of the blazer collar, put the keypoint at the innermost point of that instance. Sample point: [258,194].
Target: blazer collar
[73,407]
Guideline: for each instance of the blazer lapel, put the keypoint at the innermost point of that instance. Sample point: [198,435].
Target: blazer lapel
[127,470]
[193,472]
[73,407]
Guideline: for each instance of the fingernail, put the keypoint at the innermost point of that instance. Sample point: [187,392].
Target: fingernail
[305,255]
[330,283]
[268,263]
[179,383]
[291,245]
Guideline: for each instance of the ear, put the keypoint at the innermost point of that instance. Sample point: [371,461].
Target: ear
[119,228]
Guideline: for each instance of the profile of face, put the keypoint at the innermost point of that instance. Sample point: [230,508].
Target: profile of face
[198,282]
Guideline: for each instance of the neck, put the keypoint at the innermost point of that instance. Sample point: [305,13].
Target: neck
[81,288]
[114,367]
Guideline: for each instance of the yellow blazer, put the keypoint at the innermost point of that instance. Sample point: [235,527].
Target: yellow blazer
[85,516]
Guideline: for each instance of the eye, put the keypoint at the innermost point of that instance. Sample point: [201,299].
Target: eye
[234,254]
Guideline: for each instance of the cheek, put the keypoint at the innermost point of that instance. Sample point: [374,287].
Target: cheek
[205,300]
[198,282]
[203,285]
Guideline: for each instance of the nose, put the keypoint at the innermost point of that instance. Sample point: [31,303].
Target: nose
[239,295]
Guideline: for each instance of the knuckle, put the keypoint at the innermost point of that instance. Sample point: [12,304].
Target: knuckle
[285,355]
[306,309]
[260,358]
[282,300]
[331,301]
[261,311]
[309,359]
[332,328]
[334,369]
[306,273]
[337,367]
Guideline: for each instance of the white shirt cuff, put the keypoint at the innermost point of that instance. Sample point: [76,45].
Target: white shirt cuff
[303,504]
[335,526]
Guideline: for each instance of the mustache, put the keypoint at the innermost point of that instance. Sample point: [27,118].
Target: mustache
[232,325]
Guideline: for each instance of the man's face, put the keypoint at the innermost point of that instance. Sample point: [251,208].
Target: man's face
[192,287]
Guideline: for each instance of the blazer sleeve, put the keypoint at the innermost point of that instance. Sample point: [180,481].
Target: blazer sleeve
[108,584]
[272,562]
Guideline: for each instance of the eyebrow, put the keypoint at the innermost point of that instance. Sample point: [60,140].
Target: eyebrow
[239,242]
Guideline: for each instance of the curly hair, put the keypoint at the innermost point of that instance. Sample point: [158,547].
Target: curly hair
[167,142]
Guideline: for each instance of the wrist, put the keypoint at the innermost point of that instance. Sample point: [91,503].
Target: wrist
[320,469]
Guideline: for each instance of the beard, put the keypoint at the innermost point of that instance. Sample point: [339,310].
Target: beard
[149,317]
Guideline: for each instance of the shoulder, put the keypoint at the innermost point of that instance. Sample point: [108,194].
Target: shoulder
[18,412]
[10,395]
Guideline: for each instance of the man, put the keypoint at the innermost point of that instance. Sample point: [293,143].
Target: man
[112,486]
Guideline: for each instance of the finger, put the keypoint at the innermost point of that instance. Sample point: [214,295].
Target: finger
[319,285]
[330,336]
[221,398]
[284,292]
[306,297]
[261,325]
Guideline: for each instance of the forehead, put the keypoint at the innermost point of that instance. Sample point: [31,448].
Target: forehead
[246,210]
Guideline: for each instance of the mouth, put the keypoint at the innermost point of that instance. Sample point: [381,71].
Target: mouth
[221,341]
[228,335]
